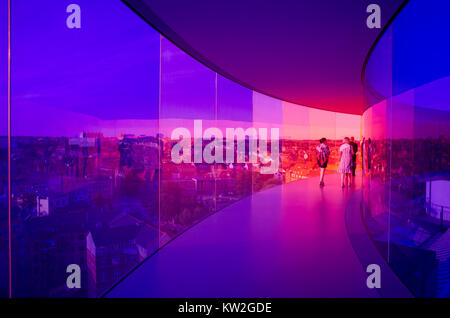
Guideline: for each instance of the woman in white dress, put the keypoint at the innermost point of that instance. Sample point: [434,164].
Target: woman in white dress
[345,162]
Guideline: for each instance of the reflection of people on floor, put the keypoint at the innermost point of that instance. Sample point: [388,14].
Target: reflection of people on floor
[355,150]
[323,153]
[345,162]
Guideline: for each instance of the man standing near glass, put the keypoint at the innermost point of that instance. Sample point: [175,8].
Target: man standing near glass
[355,150]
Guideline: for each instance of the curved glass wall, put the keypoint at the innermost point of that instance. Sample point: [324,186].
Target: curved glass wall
[121,141]
[4,226]
[407,142]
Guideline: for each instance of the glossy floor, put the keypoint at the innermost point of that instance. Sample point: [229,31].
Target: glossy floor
[288,241]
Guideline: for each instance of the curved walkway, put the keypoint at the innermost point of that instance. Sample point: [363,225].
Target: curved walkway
[288,241]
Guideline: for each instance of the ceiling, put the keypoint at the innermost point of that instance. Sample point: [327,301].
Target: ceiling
[305,52]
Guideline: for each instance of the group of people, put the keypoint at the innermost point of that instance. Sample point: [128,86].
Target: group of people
[347,160]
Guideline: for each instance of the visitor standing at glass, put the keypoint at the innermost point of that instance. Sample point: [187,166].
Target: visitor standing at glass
[369,155]
[355,150]
[345,162]
[323,153]
[363,155]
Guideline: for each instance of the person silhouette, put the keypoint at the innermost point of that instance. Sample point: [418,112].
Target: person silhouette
[355,150]
[323,154]
[345,162]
